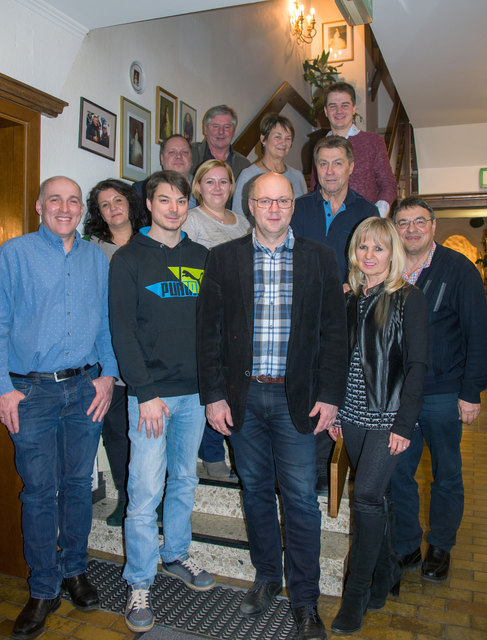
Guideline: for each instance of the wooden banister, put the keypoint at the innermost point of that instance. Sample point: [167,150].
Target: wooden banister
[286,94]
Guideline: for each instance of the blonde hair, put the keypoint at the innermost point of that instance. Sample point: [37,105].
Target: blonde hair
[381,231]
[203,169]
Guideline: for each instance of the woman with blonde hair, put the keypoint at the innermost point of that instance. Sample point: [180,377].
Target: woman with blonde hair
[387,329]
[210,224]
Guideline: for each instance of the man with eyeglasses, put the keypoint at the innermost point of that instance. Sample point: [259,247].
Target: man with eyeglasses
[219,126]
[272,366]
[174,155]
[457,374]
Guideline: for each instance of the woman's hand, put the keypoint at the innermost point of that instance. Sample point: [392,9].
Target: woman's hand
[397,444]
[334,432]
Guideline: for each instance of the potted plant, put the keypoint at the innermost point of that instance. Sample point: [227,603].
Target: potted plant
[319,74]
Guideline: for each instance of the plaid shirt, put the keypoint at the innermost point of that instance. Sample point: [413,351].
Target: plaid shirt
[273,289]
[413,277]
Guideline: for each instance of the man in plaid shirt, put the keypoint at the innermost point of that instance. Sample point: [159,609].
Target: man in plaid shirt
[272,361]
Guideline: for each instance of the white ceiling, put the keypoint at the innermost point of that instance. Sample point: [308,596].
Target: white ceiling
[435,49]
[437,55]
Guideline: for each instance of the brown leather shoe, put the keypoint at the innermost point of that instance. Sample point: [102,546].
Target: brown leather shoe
[32,619]
[83,594]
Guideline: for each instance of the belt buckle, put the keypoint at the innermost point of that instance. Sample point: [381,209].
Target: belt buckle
[58,379]
[258,378]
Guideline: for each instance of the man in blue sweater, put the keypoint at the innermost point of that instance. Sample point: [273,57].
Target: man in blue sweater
[457,374]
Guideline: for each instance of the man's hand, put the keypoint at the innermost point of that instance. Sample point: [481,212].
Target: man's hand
[397,444]
[219,416]
[152,413]
[9,410]
[101,402]
[468,412]
[328,414]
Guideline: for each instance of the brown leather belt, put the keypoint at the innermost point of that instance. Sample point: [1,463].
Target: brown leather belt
[268,379]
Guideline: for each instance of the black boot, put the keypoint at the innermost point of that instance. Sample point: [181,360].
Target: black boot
[388,573]
[367,529]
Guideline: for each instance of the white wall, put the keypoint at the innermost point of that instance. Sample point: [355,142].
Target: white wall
[449,158]
[238,56]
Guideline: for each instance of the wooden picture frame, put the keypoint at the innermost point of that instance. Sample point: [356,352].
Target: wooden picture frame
[167,114]
[338,39]
[135,141]
[187,121]
[97,129]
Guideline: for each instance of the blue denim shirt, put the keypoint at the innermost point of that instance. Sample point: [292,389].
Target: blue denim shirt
[53,306]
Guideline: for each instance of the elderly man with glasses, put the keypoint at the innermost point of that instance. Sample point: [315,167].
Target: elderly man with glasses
[272,366]
[457,374]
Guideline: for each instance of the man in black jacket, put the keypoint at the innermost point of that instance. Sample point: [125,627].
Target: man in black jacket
[457,374]
[272,362]
[154,286]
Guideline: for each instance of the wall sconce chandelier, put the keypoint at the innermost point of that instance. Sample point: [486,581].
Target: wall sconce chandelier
[302,27]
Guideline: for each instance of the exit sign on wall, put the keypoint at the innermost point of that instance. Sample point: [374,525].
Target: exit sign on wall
[483,178]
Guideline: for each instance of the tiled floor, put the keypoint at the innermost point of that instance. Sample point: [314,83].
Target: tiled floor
[454,610]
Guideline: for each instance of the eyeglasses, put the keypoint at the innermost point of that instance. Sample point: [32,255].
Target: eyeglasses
[417,222]
[266,203]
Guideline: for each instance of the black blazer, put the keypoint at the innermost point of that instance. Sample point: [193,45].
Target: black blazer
[316,368]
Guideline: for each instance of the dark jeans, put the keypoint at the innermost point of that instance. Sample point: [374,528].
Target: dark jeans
[54,453]
[369,455]
[116,439]
[442,431]
[211,447]
[269,444]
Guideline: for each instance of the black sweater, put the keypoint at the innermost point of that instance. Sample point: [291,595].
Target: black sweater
[152,296]
[457,326]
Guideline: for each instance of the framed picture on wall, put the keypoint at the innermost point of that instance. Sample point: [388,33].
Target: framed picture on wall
[187,121]
[167,114]
[97,129]
[338,39]
[135,141]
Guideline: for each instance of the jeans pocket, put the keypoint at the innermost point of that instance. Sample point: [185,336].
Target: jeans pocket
[27,388]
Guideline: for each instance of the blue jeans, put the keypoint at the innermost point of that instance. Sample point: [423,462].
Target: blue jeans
[175,450]
[269,443]
[54,453]
[442,431]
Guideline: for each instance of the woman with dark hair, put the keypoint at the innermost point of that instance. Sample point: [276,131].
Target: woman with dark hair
[387,321]
[276,139]
[114,215]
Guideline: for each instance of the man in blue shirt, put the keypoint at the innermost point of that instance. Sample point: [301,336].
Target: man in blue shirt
[57,371]
[330,215]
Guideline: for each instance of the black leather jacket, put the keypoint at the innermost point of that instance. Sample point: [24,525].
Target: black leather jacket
[394,356]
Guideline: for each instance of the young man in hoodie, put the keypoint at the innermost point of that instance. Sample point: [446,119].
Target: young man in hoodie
[154,285]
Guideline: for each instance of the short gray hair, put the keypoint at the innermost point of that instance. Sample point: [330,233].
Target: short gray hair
[220,110]
[43,187]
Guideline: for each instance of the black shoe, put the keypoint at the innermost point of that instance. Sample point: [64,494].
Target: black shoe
[310,626]
[32,619]
[349,619]
[259,597]
[83,594]
[410,561]
[322,485]
[436,564]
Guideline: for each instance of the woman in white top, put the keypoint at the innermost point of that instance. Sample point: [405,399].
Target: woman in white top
[211,224]
[276,139]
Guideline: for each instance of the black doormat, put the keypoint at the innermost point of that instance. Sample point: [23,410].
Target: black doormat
[204,614]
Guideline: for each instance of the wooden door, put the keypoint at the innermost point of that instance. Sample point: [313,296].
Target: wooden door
[19,182]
